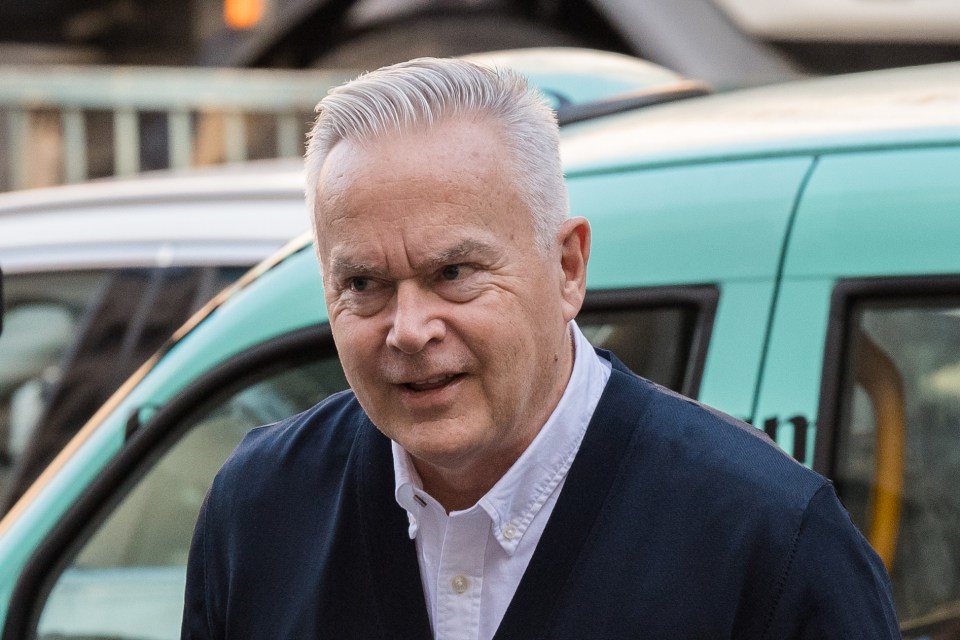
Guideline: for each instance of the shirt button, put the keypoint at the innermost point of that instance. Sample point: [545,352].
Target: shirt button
[460,584]
[509,531]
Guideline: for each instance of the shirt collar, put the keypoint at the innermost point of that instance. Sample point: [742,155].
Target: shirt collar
[518,496]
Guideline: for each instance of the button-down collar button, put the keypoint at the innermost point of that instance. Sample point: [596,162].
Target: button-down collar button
[460,584]
[509,531]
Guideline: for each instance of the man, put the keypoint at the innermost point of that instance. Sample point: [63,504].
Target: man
[489,474]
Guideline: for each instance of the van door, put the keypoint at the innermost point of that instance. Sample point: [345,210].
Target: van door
[708,224]
[861,377]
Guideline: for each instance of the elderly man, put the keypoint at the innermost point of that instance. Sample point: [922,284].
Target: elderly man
[489,474]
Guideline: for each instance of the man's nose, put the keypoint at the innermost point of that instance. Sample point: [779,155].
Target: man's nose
[415,323]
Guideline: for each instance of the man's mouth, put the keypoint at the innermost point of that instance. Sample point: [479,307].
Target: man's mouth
[432,383]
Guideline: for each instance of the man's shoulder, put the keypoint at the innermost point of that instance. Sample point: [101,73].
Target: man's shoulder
[691,442]
[296,451]
[335,417]
[704,506]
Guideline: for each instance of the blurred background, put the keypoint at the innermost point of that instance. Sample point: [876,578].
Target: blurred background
[90,88]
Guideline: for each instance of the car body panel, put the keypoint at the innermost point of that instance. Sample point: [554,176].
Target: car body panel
[853,221]
[288,296]
[731,371]
[150,218]
[912,106]
[663,238]
[860,217]
[665,227]
[790,382]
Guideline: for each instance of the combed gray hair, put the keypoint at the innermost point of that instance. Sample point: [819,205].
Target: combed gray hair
[423,92]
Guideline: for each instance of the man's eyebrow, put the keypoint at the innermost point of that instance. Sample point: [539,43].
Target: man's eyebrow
[346,266]
[464,250]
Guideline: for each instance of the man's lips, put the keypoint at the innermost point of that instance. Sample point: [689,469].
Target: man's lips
[429,384]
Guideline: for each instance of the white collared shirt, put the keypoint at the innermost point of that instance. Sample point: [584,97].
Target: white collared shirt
[471,561]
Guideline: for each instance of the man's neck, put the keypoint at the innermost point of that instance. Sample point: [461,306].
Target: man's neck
[459,491]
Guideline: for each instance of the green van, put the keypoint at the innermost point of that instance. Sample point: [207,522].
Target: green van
[789,255]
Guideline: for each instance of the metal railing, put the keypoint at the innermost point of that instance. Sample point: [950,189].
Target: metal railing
[66,124]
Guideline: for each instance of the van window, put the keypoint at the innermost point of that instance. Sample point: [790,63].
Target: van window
[897,453]
[71,339]
[127,575]
[654,343]
[660,333]
[44,312]
[127,580]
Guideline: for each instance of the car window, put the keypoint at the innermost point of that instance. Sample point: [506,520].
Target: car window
[660,333]
[75,338]
[897,448]
[126,575]
[43,314]
[127,580]
[654,342]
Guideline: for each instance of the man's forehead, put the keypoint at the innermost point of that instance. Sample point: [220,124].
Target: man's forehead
[348,186]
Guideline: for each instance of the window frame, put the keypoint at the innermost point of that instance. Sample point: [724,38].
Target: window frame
[703,297]
[147,442]
[847,293]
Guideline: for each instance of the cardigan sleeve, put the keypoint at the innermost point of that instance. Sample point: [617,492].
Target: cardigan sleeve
[834,585]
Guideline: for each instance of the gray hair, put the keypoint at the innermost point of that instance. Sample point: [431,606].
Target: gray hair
[423,92]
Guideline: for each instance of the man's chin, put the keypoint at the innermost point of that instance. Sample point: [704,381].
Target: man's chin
[435,442]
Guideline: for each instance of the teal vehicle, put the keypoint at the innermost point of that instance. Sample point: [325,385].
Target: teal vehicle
[786,254]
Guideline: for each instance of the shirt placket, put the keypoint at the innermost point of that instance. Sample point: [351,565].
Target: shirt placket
[460,579]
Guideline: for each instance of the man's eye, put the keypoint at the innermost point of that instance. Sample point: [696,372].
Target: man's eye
[451,272]
[358,284]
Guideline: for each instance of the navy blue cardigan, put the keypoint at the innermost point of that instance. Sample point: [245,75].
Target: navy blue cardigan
[675,522]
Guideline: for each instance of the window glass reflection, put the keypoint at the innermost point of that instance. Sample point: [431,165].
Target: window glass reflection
[899,450]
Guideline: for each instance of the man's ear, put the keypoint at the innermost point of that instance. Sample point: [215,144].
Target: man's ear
[574,238]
